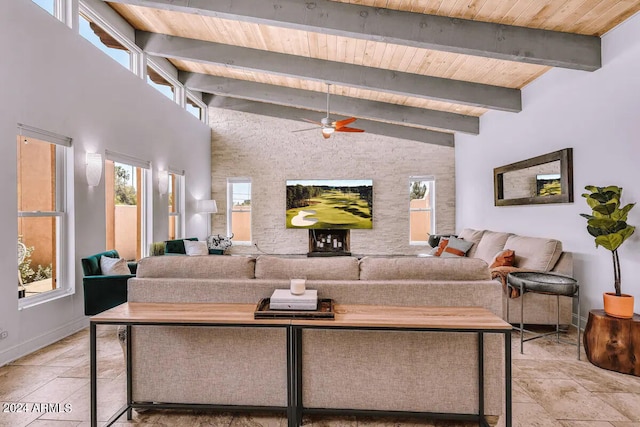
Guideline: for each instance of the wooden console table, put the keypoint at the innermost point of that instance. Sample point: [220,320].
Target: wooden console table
[356,317]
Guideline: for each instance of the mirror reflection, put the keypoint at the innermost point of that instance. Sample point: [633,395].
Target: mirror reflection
[539,180]
[542,179]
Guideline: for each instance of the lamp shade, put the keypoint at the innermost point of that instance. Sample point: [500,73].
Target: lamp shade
[207,206]
[94,168]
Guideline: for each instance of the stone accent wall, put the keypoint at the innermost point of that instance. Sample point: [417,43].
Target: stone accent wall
[266,150]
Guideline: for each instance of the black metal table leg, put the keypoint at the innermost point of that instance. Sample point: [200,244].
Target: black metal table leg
[93,374]
[299,404]
[129,374]
[507,378]
[481,378]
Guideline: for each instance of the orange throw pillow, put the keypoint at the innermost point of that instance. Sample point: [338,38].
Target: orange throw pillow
[504,258]
[443,244]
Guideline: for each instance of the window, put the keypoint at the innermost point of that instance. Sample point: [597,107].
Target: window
[160,83]
[104,40]
[42,214]
[47,5]
[239,209]
[195,107]
[176,205]
[421,209]
[125,205]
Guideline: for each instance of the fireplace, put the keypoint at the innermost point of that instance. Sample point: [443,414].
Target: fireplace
[328,242]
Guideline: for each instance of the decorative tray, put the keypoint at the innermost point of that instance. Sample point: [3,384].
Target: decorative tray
[324,311]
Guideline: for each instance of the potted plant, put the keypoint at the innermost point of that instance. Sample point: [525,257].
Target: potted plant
[608,224]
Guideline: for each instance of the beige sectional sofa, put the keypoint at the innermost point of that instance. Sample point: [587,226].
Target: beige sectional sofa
[531,253]
[405,371]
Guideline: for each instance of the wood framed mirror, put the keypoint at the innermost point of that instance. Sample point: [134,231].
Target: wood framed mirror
[539,180]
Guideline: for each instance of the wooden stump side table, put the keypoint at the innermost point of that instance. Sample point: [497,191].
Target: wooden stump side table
[612,343]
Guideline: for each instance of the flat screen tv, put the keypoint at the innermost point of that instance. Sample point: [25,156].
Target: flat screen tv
[548,185]
[330,204]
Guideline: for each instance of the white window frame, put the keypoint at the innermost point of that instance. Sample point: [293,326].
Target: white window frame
[65,274]
[177,87]
[230,183]
[136,58]
[179,202]
[196,100]
[431,182]
[146,220]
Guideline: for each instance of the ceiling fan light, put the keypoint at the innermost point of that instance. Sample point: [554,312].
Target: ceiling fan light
[328,131]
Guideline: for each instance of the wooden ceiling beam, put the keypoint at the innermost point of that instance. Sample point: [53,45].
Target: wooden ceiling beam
[368,78]
[290,113]
[339,104]
[491,40]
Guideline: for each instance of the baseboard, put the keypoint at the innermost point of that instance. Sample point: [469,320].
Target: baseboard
[36,343]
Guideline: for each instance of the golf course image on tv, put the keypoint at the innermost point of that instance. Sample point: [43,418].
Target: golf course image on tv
[330,204]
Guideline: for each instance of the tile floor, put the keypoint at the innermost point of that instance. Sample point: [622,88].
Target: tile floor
[551,389]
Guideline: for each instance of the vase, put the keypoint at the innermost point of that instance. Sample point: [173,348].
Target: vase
[618,306]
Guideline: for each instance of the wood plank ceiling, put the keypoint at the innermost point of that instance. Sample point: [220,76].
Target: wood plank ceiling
[436,65]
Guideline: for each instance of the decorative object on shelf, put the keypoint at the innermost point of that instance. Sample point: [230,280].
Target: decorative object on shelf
[22,252]
[543,179]
[94,168]
[608,224]
[298,286]
[324,311]
[218,242]
[613,343]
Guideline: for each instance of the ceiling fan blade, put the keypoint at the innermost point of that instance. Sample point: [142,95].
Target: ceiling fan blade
[312,121]
[342,123]
[347,129]
[304,130]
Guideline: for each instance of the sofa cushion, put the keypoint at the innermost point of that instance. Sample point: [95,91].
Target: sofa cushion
[420,268]
[490,244]
[194,248]
[534,253]
[473,236]
[176,246]
[332,268]
[456,248]
[504,258]
[197,267]
[113,266]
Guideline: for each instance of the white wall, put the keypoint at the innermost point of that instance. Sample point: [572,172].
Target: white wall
[266,150]
[53,79]
[598,114]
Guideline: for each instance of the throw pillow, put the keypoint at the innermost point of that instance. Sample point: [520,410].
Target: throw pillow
[113,266]
[443,244]
[456,248]
[504,258]
[193,248]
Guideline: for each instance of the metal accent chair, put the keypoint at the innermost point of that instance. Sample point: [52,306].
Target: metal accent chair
[103,292]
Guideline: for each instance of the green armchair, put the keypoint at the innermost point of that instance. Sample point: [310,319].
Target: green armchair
[103,292]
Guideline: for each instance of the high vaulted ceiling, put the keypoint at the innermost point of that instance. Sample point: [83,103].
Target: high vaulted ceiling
[416,69]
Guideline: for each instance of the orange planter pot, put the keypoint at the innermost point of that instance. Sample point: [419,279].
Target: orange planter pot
[621,307]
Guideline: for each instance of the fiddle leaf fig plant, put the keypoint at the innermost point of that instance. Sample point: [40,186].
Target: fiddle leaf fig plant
[608,222]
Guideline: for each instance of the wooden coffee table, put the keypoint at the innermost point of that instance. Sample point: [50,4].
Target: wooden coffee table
[353,317]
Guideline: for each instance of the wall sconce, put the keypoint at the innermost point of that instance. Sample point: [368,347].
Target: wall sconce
[163,182]
[94,168]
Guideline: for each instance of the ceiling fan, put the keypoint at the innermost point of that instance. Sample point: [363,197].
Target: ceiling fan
[329,126]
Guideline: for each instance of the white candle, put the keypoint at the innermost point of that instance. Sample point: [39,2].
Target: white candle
[297,286]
